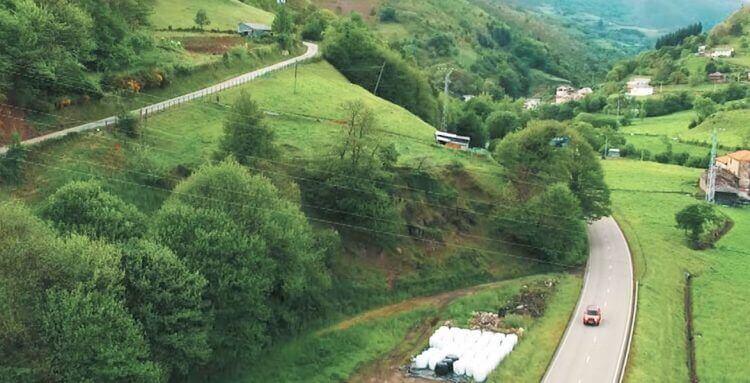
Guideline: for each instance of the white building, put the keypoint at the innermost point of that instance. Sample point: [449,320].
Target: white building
[724,51]
[532,103]
[640,86]
[566,93]
[452,141]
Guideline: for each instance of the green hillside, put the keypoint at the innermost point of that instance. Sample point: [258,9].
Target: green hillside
[223,14]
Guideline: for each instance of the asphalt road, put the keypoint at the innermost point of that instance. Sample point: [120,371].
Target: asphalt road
[311,51]
[597,354]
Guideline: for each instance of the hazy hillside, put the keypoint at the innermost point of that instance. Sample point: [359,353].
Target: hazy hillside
[651,14]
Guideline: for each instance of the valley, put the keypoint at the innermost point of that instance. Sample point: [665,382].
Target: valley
[307,223]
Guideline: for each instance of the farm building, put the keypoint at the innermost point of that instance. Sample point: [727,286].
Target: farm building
[253,29]
[723,51]
[717,78]
[733,175]
[452,141]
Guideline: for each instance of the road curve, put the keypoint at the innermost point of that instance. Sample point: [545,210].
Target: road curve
[312,51]
[597,354]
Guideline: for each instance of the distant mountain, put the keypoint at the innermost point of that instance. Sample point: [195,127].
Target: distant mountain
[648,14]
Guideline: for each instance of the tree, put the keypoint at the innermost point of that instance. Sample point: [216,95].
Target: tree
[547,152]
[469,124]
[502,123]
[696,219]
[84,207]
[704,107]
[63,315]
[353,189]
[166,298]
[247,137]
[11,163]
[201,19]
[315,25]
[388,14]
[265,273]
[550,224]
[92,338]
[283,28]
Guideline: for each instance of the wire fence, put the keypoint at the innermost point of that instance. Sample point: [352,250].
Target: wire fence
[146,111]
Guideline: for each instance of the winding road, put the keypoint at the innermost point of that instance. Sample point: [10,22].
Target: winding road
[312,51]
[598,354]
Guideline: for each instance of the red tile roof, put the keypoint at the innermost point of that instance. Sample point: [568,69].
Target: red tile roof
[742,155]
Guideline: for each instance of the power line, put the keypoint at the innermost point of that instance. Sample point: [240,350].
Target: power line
[319,220]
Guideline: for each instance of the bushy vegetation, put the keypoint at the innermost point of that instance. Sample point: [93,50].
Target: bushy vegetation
[701,223]
[352,48]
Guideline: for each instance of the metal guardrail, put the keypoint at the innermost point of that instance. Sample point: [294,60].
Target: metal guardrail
[312,51]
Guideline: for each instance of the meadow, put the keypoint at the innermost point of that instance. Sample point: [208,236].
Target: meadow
[224,14]
[646,197]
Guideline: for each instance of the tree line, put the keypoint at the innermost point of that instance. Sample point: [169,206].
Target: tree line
[678,36]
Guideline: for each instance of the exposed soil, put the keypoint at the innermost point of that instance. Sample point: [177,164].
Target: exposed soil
[210,44]
[13,120]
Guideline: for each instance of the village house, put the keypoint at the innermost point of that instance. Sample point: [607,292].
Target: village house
[733,175]
[253,29]
[640,86]
[723,51]
[566,93]
[717,78]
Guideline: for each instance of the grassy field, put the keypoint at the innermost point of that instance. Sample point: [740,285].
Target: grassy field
[224,14]
[201,76]
[732,126]
[655,133]
[646,197]
[371,345]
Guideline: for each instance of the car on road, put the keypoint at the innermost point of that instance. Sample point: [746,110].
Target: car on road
[592,316]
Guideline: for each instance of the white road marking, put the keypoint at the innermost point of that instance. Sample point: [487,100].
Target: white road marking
[610,267]
[608,291]
[594,339]
[588,358]
[605,303]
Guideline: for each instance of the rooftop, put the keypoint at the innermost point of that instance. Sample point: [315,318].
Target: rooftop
[742,155]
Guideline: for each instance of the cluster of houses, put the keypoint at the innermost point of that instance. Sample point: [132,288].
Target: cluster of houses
[566,93]
[732,176]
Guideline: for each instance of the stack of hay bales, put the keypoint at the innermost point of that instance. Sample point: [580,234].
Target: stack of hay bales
[479,352]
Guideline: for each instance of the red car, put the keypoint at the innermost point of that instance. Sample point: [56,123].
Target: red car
[592,316]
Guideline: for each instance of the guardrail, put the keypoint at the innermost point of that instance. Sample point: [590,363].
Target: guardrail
[312,51]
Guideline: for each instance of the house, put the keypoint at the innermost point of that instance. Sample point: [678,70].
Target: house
[640,86]
[701,50]
[532,103]
[452,141]
[723,51]
[253,29]
[732,176]
[614,153]
[717,78]
[566,93]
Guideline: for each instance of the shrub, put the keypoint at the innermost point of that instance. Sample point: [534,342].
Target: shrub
[128,125]
[11,163]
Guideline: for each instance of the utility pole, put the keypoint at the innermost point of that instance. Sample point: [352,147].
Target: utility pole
[295,77]
[712,170]
[380,76]
[447,98]
[606,147]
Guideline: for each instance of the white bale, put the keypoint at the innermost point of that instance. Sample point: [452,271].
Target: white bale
[480,374]
[459,367]
[421,361]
